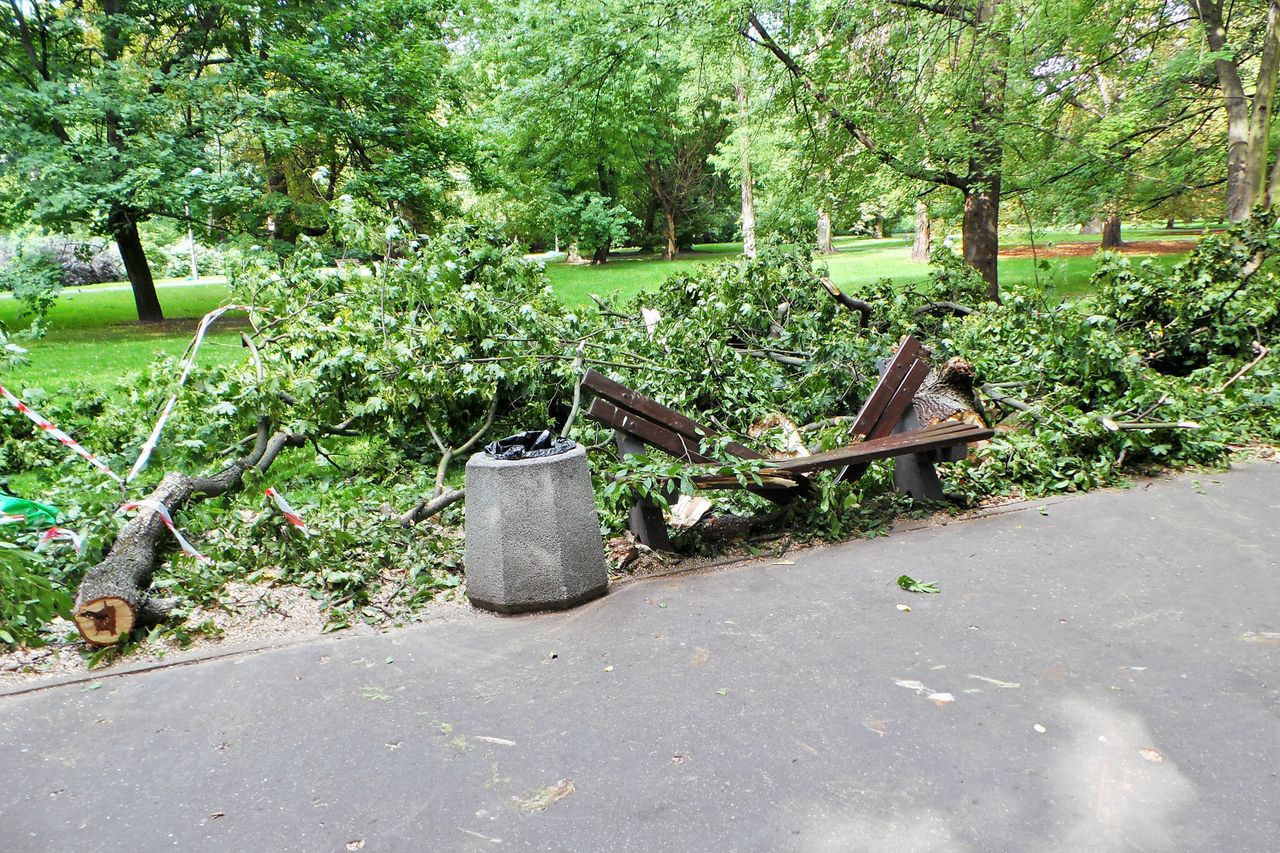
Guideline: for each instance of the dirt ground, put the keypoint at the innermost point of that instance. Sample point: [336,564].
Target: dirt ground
[1078,250]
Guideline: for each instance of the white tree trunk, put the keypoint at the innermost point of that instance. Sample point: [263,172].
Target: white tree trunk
[920,248]
[744,154]
[824,233]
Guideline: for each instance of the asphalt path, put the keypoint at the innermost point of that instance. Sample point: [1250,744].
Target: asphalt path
[1098,673]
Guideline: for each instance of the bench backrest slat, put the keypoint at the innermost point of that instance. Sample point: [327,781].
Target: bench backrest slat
[667,440]
[899,366]
[625,399]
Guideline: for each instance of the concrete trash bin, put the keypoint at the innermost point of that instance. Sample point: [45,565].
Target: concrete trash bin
[533,535]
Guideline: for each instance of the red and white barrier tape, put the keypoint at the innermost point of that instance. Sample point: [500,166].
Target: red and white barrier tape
[189,362]
[290,514]
[55,534]
[163,511]
[12,519]
[40,421]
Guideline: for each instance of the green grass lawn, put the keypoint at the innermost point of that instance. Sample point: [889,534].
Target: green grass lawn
[94,336]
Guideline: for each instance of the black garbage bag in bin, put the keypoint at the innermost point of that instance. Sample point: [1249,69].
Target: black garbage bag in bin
[532,444]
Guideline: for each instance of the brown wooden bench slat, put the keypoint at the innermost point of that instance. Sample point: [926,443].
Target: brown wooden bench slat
[666,440]
[884,448]
[893,411]
[872,409]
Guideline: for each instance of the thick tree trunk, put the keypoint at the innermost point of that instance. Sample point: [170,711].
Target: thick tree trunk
[573,256]
[1093,226]
[980,231]
[125,231]
[1168,225]
[114,597]
[825,246]
[1111,232]
[924,236]
[600,255]
[1247,124]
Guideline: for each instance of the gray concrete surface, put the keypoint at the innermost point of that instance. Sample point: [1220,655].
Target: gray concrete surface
[759,707]
[533,535]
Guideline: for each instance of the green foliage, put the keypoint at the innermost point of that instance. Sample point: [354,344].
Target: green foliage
[1213,305]
[29,595]
[910,584]
[35,279]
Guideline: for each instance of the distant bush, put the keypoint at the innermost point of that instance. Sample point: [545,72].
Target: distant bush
[79,261]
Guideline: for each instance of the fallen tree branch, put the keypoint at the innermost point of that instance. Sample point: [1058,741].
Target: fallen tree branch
[1262,352]
[114,598]
[943,306]
[1000,398]
[426,509]
[863,308]
[1137,426]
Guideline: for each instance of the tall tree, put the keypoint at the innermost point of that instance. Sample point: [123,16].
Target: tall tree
[1228,29]
[920,87]
[100,114]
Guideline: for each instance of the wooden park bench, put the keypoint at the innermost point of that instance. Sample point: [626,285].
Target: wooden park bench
[887,423]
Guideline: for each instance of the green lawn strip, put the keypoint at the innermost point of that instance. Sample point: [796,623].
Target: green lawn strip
[95,338]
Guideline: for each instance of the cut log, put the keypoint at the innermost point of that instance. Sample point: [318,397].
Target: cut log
[114,597]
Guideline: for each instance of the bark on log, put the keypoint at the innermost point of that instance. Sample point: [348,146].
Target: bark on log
[114,597]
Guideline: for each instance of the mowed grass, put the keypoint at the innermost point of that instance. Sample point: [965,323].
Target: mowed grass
[95,338]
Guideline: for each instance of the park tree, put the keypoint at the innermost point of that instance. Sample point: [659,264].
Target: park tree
[919,86]
[101,115]
[119,111]
[1244,40]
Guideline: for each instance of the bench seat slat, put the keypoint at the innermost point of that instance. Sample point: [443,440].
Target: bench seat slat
[933,438]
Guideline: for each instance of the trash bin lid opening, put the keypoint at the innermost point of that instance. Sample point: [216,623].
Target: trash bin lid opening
[530,444]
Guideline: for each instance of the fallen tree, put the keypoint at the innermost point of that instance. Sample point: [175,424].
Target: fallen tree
[114,597]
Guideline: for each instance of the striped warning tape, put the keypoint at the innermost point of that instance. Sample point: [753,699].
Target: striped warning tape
[56,534]
[290,514]
[163,511]
[188,362]
[52,431]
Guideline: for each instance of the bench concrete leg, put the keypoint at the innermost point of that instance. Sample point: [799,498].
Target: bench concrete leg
[645,520]
[914,474]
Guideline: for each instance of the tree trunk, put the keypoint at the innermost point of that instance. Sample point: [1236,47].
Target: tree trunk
[669,254]
[573,256]
[825,246]
[114,597]
[1246,134]
[600,255]
[1168,225]
[1111,232]
[649,227]
[744,157]
[924,236]
[125,230]
[980,231]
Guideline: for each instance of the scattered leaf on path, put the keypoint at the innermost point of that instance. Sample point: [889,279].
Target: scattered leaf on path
[904,608]
[540,799]
[1039,728]
[910,584]
[1150,754]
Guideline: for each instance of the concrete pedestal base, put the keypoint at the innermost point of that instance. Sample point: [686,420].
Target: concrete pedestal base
[533,535]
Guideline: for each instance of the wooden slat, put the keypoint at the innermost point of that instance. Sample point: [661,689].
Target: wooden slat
[888,446]
[880,396]
[624,398]
[897,407]
[646,430]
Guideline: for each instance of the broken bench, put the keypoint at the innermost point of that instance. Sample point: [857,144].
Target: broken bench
[886,423]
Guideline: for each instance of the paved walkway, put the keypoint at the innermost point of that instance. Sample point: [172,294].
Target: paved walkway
[1102,674]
